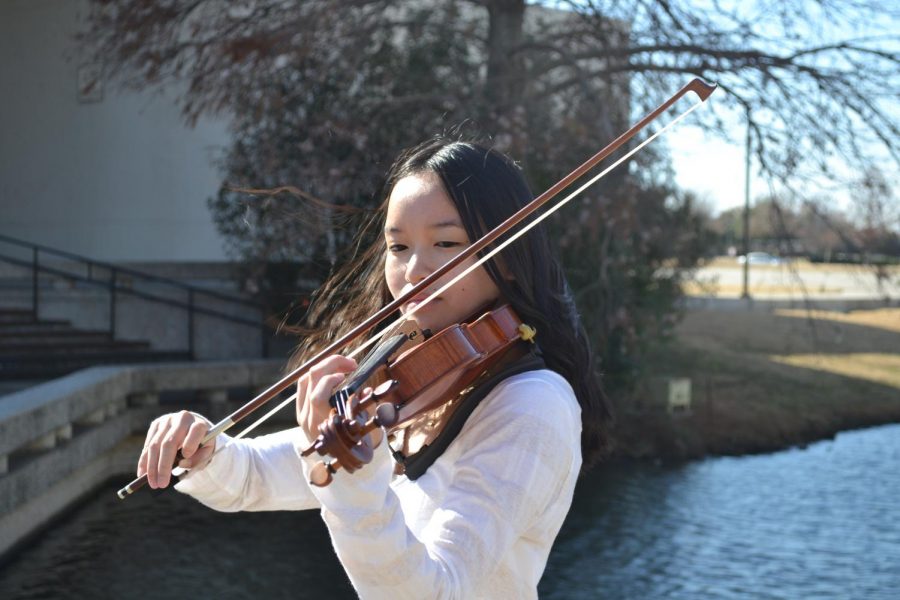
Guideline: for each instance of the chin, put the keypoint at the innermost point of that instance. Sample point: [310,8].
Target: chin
[427,316]
[424,323]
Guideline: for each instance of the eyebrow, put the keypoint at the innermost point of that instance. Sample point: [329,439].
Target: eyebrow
[440,225]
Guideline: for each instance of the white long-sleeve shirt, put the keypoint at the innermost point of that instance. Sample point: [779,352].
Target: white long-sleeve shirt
[478,524]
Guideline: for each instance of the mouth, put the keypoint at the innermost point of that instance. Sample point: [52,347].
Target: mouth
[419,299]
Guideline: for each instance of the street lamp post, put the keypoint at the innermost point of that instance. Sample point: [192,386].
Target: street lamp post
[746,289]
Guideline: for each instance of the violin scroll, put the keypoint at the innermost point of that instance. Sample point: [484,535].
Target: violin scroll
[346,438]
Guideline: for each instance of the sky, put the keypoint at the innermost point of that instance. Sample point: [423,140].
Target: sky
[715,168]
[712,167]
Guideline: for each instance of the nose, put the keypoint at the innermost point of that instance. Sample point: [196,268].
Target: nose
[418,268]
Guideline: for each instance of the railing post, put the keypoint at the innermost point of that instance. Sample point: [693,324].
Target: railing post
[112,303]
[34,282]
[191,323]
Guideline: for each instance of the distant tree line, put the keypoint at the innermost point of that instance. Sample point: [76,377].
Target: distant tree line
[864,229]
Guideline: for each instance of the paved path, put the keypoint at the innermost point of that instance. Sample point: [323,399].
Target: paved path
[791,281]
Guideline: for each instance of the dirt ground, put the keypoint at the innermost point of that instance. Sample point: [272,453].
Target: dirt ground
[762,381]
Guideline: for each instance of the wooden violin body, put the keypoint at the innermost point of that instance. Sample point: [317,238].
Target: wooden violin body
[416,381]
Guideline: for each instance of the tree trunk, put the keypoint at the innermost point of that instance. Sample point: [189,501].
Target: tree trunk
[505,83]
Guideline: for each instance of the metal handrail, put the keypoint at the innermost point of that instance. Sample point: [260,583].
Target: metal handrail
[114,287]
[127,290]
[91,263]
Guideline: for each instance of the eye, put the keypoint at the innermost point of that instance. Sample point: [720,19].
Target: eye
[396,247]
[447,244]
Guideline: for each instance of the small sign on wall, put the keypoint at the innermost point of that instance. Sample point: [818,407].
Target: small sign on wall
[90,83]
[679,395]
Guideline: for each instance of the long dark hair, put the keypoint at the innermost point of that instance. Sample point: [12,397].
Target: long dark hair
[485,187]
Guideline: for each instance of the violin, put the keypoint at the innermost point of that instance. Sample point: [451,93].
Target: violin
[413,382]
[355,455]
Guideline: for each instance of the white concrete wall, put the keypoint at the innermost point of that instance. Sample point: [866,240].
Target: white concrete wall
[122,179]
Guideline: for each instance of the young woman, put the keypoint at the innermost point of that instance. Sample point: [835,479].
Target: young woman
[480,520]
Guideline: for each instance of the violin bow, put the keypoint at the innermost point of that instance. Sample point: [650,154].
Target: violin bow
[697,86]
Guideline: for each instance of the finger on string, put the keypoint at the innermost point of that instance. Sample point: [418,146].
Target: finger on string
[318,400]
[303,381]
[324,388]
[335,363]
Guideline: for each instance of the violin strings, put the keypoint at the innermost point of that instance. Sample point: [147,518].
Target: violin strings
[489,255]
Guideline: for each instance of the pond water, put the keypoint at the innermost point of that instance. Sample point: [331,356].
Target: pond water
[819,522]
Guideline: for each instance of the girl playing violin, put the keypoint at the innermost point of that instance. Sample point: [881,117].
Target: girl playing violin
[477,519]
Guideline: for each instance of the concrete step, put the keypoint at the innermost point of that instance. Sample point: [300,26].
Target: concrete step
[70,336]
[16,315]
[40,349]
[45,328]
[42,324]
[17,283]
[51,349]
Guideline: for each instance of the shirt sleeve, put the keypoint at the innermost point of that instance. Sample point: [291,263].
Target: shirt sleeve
[520,450]
[262,473]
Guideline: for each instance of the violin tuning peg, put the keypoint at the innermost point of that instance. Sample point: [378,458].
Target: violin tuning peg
[365,396]
[384,388]
[365,402]
[321,474]
[309,449]
[371,396]
[386,414]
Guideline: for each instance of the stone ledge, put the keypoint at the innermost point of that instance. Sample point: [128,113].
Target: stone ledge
[31,414]
[34,412]
[45,470]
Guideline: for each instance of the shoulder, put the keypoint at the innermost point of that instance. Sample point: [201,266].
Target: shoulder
[525,433]
[540,399]
[542,382]
[544,394]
